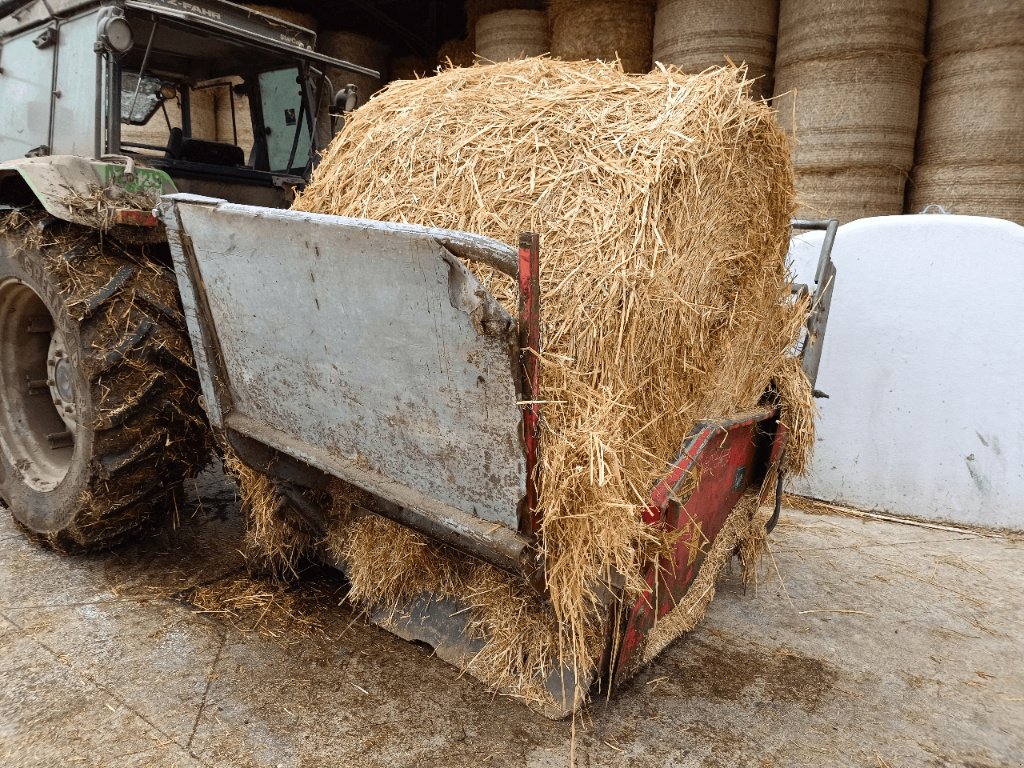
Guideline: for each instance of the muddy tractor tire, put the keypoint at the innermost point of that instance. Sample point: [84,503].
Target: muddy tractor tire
[100,418]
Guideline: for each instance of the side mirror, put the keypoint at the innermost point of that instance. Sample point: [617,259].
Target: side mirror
[345,100]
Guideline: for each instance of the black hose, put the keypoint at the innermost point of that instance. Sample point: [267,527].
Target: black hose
[774,519]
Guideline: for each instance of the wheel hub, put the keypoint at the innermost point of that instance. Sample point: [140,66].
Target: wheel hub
[60,380]
[38,410]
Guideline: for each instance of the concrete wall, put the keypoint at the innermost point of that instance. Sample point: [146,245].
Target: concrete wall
[924,363]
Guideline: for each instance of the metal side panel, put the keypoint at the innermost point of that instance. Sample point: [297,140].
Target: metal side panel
[362,347]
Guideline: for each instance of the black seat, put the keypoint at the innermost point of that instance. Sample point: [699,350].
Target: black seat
[174,144]
[199,151]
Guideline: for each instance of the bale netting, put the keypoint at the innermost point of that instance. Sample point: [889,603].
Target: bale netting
[512,34]
[858,110]
[850,193]
[477,9]
[971,138]
[663,204]
[848,90]
[356,49]
[973,111]
[603,29]
[695,35]
[975,190]
[816,29]
[973,25]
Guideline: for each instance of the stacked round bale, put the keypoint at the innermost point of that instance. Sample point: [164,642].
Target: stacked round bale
[663,204]
[970,153]
[362,50]
[696,34]
[603,29]
[409,67]
[455,53]
[512,33]
[847,87]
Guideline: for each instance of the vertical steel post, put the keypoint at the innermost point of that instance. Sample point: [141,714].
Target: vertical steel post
[529,353]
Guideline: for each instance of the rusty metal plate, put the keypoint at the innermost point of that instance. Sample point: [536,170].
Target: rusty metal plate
[364,348]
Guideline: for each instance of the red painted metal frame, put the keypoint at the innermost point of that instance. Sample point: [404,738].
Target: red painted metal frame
[134,218]
[529,353]
[725,458]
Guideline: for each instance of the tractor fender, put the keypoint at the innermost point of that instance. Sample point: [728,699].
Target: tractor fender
[84,191]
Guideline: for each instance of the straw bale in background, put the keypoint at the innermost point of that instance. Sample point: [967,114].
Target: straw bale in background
[974,25]
[850,193]
[852,111]
[976,190]
[603,29]
[455,53]
[512,34]
[356,49]
[847,88]
[697,34]
[663,203]
[816,29]
[409,67]
[971,141]
[476,9]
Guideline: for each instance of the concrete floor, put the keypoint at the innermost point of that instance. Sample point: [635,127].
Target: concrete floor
[881,645]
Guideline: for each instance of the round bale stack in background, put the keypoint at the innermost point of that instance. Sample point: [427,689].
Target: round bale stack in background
[516,33]
[409,67]
[696,34]
[455,53]
[603,29]
[356,49]
[847,89]
[970,152]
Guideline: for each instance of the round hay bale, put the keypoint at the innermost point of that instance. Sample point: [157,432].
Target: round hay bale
[356,49]
[285,14]
[695,35]
[858,110]
[972,110]
[603,29]
[477,9]
[409,67]
[976,190]
[814,29]
[849,193]
[455,53]
[665,224]
[970,25]
[515,34]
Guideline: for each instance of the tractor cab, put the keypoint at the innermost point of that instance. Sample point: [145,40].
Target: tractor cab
[225,100]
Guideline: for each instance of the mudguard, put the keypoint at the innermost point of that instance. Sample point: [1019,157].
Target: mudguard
[85,191]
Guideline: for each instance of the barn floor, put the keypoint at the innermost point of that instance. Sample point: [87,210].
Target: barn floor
[881,645]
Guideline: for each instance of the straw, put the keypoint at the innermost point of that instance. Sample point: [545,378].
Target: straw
[663,204]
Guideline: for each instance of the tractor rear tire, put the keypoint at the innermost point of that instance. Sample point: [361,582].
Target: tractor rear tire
[100,417]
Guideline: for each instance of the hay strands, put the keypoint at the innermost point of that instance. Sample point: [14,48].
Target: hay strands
[663,204]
